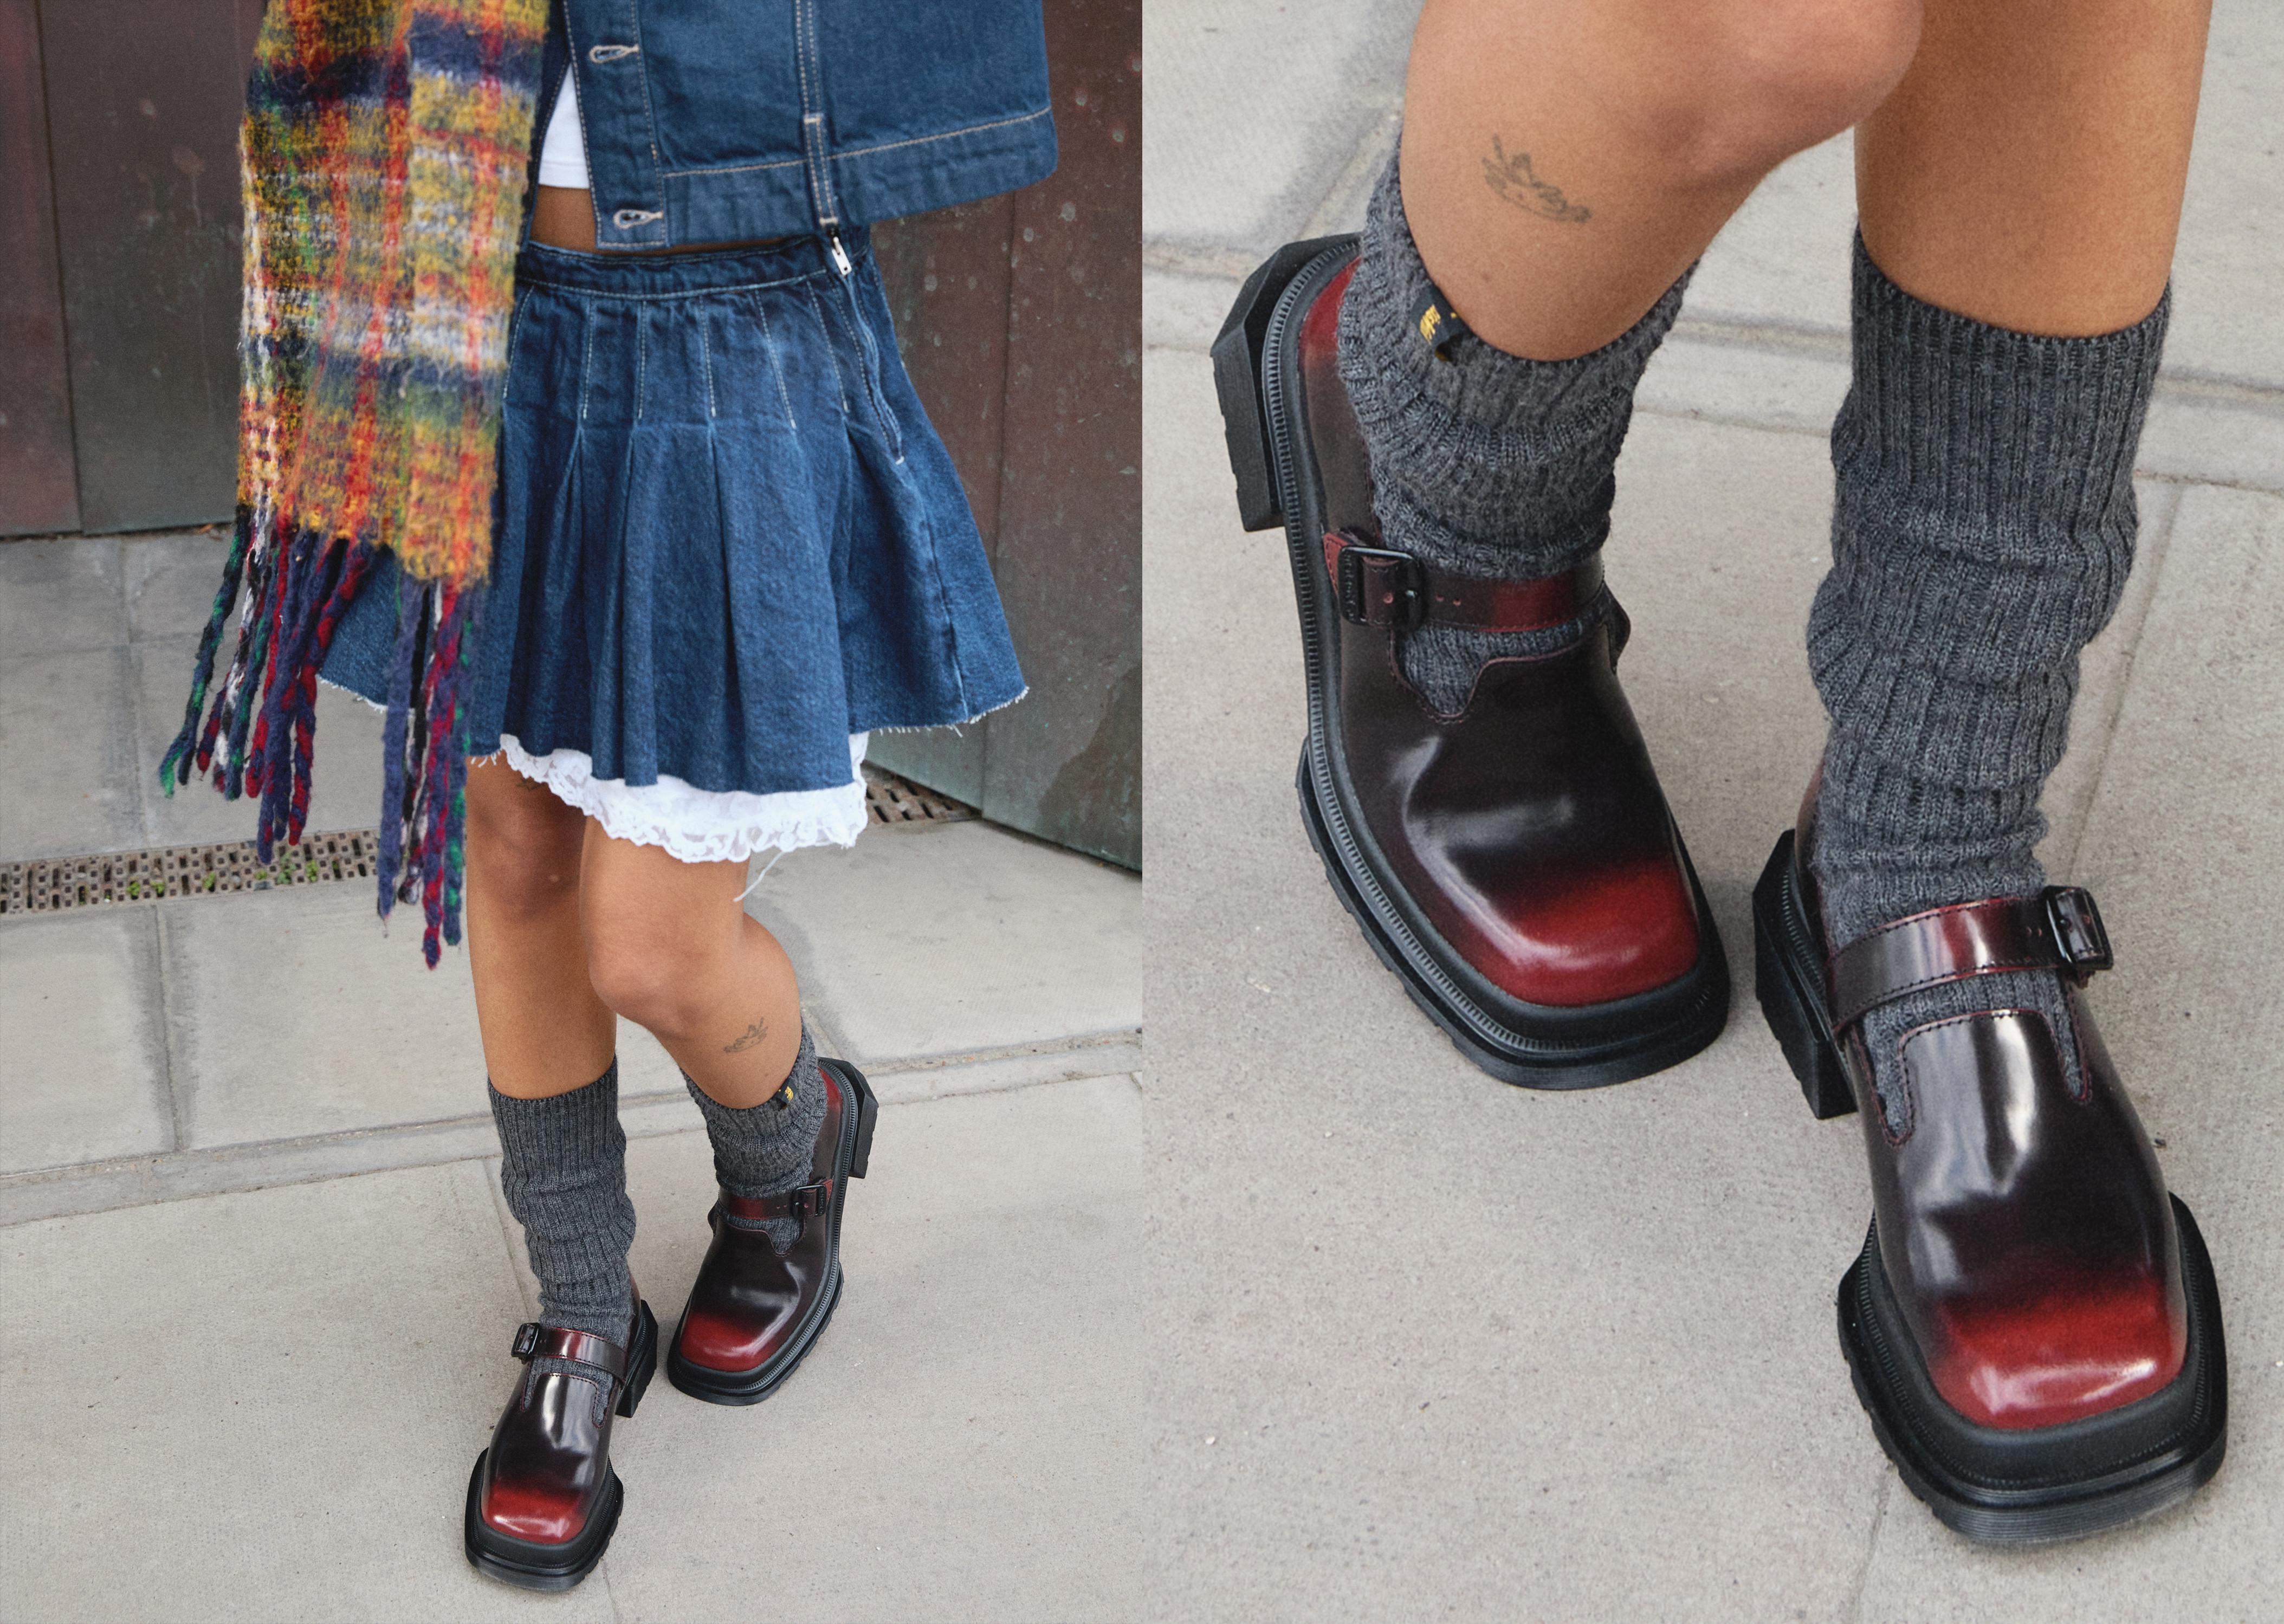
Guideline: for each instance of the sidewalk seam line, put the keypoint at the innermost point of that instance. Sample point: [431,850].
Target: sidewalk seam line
[2163,552]
[156,1168]
[1103,1039]
[177,1111]
[505,1219]
[29,1176]
[1855,1612]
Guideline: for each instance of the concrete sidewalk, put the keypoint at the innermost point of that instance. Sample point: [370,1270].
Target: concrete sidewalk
[1461,1350]
[259,1287]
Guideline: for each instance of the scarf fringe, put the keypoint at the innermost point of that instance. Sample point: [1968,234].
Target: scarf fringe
[291,587]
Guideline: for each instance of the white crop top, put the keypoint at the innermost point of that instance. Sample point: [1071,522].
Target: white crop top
[562,155]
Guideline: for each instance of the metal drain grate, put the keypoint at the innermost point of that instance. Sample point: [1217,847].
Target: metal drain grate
[901,803]
[52,884]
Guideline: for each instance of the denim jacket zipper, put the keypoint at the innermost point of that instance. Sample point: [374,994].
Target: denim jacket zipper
[826,203]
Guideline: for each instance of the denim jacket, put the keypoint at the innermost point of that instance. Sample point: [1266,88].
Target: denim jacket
[720,121]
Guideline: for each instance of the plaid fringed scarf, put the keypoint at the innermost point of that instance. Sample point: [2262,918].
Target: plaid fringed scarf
[384,155]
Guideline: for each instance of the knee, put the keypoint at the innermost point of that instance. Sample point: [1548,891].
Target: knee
[523,852]
[1756,82]
[660,983]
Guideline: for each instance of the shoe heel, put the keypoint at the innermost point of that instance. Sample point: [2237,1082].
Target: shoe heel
[642,1360]
[1792,999]
[1237,351]
[868,1107]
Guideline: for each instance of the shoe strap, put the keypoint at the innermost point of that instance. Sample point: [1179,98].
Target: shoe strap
[534,1340]
[1382,587]
[811,1200]
[2057,929]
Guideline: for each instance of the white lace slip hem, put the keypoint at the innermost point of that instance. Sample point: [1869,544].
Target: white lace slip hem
[697,825]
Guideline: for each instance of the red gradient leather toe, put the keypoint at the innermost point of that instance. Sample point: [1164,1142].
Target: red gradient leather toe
[542,1501]
[2083,1347]
[1552,872]
[1529,828]
[755,1311]
[2024,1228]
[1514,864]
[753,1295]
[550,1452]
[2034,1323]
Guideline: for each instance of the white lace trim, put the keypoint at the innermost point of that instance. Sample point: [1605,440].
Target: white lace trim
[699,825]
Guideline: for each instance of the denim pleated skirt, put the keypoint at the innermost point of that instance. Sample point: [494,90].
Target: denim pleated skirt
[729,544]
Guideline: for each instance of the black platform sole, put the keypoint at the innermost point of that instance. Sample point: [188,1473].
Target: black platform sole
[1255,367]
[734,1388]
[530,1567]
[2032,1486]
[2042,1485]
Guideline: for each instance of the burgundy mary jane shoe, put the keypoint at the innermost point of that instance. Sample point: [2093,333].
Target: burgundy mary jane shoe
[754,1311]
[543,1499]
[1514,864]
[2033,1324]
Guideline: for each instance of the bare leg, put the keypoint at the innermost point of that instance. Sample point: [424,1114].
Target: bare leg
[1563,164]
[2028,170]
[569,929]
[670,947]
[545,1032]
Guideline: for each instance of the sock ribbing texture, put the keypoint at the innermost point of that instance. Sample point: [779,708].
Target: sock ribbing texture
[1482,462]
[1982,532]
[767,1148]
[563,1170]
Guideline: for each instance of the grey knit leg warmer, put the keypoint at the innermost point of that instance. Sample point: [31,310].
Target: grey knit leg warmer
[1983,526]
[1482,462]
[563,1169]
[765,1150]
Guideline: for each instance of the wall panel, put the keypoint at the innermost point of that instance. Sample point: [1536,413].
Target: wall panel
[38,490]
[144,104]
[1065,441]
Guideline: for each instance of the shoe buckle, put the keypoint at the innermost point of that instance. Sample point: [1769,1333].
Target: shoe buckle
[2078,933]
[527,1339]
[1377,586]
[809,1198]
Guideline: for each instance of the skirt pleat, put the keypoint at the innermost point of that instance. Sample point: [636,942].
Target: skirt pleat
[729,541]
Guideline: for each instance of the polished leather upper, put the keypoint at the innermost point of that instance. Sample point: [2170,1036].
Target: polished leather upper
[2025,1230]
[1528,828]
[750,1299]
[2023,1224]
[550,1456]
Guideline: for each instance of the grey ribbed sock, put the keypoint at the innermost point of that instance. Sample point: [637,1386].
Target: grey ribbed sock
[1482,462]
[765,1150]
[563,1169]
[1983,526]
